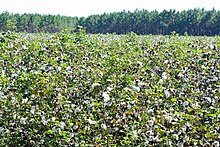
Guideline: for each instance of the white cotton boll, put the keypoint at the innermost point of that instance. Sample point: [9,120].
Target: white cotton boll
[208,99]
[14,75]
[166,61]
[94,85]
[24,100]
[168,118]
[176,136]
[75,127]
[104,56]
[14,116]
[10,45]
[53,118]
[24,47]
[103,126]
[140,63]
[23,120]
[160,81]
[54,129]
[185,103]
[62,125]
[215,144]
[164,75]
[167,93]
[139,131]
[212,46]
[24,68]
[42,141]
[109,88]
[68,68]
[91,121]
[123,103]
[129,106]
[135,133]
[180,74]
[77,109]
[135,88]
[215,79]
[33,109]
[71,135]
[186,138]
[137,114]
[150,111]
[59,68]
[203,67]
[105,96]
[44,120]
[126,89]
[1,129]
[13,100]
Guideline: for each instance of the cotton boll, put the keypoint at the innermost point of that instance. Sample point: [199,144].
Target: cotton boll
[23,120]
[106,96]
[139,63]
[135,133]
[215,144]
[164,75]
[1,129]
[91,121]
[94,85]
[135,88]
[68,68]
[103,126]
[129,106]
[24,100]
[62,125]
[167,93]
[185,103]
[33,109]
[59,68]
[109,88]
[208,99]
[10,45]
[168,118]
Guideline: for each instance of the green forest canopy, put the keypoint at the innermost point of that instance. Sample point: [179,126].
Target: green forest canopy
[193,22]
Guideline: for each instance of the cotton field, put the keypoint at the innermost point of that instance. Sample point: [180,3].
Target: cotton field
[109,90]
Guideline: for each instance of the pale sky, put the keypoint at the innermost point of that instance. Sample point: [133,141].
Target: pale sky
[88,7]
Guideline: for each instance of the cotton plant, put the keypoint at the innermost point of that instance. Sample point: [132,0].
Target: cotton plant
[126,90]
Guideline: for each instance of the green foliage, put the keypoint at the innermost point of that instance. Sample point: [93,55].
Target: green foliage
[191,22]
[109,90]
[10,25]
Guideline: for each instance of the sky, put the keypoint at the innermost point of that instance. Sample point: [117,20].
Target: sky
[89,7]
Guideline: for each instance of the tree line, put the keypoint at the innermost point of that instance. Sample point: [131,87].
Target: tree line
[192,22]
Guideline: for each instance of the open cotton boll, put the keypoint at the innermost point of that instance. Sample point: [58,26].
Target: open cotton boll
[185,103]
[94,85]
[135,133]
[139,63]
[103,126]
[62,125]
[136,88]
[167,93]
[23,120]
[24,100]
[92,122]
[59,68]
[1,129]
[215,144]
[164,75]
[106,96]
